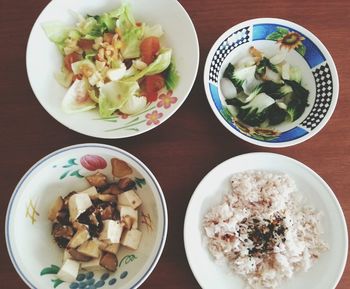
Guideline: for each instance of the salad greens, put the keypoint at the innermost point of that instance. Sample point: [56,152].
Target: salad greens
[264,91]
[114,94]
[172,77]
[159,65]
[112,62]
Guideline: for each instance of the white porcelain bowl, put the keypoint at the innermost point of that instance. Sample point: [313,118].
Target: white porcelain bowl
[319,76]
[44,59]
[31,247]
[326,272]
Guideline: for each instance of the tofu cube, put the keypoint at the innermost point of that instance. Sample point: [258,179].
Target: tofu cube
[69,271]
[130,199]
[92,265]
[79,238]
[91,192]
[78,203]
[131,239]
[111,248]
[129,212]
[112,231]
[90,248]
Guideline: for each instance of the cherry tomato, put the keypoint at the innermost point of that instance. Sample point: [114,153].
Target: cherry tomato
[71,58]
[151,85]
[151,96]
[85,44]
[149,48]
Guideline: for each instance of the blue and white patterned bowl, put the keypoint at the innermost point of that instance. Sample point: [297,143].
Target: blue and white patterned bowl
[317,67]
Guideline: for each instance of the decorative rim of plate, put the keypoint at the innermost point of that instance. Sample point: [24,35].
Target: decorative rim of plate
[71,148]
[312,172]
[321,63]
[135,133]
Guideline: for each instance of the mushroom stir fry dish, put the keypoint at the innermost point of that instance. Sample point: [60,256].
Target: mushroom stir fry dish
[92,224]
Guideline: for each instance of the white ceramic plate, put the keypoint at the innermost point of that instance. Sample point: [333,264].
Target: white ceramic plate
[319,76]
[31,247]
[44,59]
[326,272]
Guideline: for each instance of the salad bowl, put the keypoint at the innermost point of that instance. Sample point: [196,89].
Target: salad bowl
[303,52]
[44,62]
[31,247]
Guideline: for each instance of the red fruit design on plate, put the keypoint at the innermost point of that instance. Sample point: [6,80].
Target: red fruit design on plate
[93,162]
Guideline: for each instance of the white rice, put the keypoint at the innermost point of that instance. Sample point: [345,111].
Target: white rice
[263,230]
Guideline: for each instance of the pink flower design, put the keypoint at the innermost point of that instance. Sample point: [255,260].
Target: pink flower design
[166,100]
[153,118]
[93,162]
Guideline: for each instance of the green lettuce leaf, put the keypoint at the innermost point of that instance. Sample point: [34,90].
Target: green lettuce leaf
[155,30]
[56,31]
[77,99]
[171,76]
[132,40]
[131,34]
[161,63]
[108,21]
[135,104]
[64,77]
[115,94]
[87,25]
[125,18]
[86,63]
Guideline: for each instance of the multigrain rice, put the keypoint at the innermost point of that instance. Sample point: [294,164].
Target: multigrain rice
[263,230]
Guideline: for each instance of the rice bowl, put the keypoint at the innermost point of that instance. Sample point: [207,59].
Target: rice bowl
[263,229]
[211,191]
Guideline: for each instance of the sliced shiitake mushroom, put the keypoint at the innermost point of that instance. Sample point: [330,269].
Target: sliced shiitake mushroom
[126,184]
[59,230]
[93,219]
[78,226]
[120,168]
[63,216]
[108,213]
[97,180]
[109,261]
[113,189]
[107,198]
[79,256]
[62,234]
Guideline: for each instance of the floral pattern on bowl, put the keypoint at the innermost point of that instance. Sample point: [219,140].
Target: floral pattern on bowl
[89,279]
[152,116]
[31,247]
[304,50]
